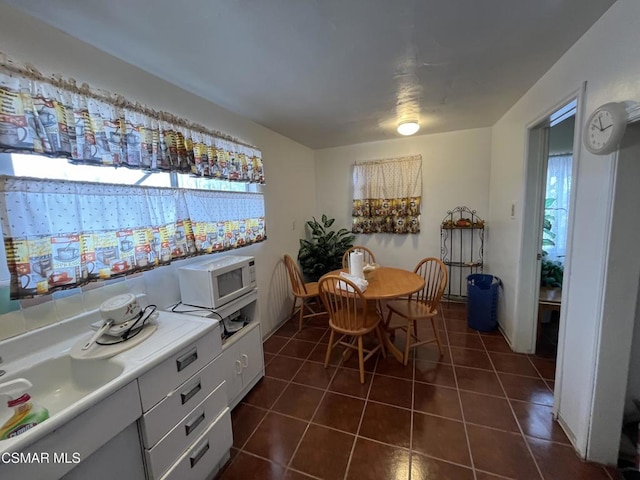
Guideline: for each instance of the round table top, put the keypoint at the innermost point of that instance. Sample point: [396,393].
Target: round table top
[387,282]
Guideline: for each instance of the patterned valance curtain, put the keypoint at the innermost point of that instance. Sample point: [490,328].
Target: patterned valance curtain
[60,234]
[55,117]
[387,195]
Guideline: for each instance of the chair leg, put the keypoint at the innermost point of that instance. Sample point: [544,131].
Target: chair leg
[408,343]
[293,307]
[379,334]
[302,305]
[435,332]
[361,358]
[329,348]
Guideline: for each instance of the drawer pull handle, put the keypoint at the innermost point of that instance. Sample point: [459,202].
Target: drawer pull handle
[193,424]
[238,367]
[197,455]
[187,359]
[245,360]
[186,396]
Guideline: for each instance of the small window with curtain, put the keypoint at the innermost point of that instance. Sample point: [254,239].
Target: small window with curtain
[93,186]
[387,195]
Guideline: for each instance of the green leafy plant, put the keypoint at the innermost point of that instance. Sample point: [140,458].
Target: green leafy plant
[551,272]
[547,234]
[323,252]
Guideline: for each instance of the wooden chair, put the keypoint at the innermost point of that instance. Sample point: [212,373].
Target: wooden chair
[369,257]
[349,316]
[421,305]
[306,292]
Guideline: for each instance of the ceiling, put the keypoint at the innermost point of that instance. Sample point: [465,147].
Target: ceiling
[336,72]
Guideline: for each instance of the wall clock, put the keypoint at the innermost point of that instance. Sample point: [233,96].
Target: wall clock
[605,128]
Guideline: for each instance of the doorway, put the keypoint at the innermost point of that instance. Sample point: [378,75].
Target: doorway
[555,224]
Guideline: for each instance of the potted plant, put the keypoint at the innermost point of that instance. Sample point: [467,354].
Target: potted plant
[323,252]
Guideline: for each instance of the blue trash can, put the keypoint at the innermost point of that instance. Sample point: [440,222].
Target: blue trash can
[482,301]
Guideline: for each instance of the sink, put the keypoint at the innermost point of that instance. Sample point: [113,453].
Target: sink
[60,382]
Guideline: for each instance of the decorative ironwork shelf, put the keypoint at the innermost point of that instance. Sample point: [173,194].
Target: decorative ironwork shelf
[461,248]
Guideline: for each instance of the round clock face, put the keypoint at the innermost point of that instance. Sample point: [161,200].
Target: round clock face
[605,128]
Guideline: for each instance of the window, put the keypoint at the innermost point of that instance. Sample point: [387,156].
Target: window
[37,166]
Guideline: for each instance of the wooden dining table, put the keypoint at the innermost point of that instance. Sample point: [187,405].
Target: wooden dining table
[388,283]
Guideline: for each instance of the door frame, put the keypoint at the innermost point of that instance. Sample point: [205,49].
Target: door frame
[531,232]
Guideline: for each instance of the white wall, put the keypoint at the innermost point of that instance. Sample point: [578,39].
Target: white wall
[289,166]
[606,58]
[455,171]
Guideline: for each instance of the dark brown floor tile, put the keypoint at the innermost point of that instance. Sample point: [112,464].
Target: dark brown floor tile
[323,453]
[487,476]
[340,412]
[513,363]
[394,391]
[321,321]
[298,401]
[431,469]
[276,438]
[551,384]
[561,461]
[247,466]
[298,349]
[546,368]
[495,343]
[325,338]
[480,381]
[437,400]
[310,334]
[374,461]
[244,420]
[441,438]
[347,381]
[314,375]
[293,475]
[488,411]
[274,344]
[283,368]
[265,393]
[466,340]
[434,372]
[288,330]
[537,421]
[465,357]
[526,389]
[268,357]
[386,424]
[352,361]
[455,325]
[431,353]
[319,352]
[502,453]
[393,368]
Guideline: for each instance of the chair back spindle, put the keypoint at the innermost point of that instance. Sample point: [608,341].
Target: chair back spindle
[435,277]
[297,282]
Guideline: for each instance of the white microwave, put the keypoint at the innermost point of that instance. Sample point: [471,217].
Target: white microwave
[214,283]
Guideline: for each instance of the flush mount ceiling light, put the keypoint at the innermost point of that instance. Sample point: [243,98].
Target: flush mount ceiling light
[408,128]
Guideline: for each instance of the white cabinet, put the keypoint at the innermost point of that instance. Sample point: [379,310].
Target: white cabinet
[186,426]
[243,362]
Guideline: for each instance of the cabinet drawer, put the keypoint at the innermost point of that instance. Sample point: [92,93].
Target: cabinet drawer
[174,371]
[167,450]
[178,403]
[203,455]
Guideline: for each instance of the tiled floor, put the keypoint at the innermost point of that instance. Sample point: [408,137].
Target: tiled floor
[479,412]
